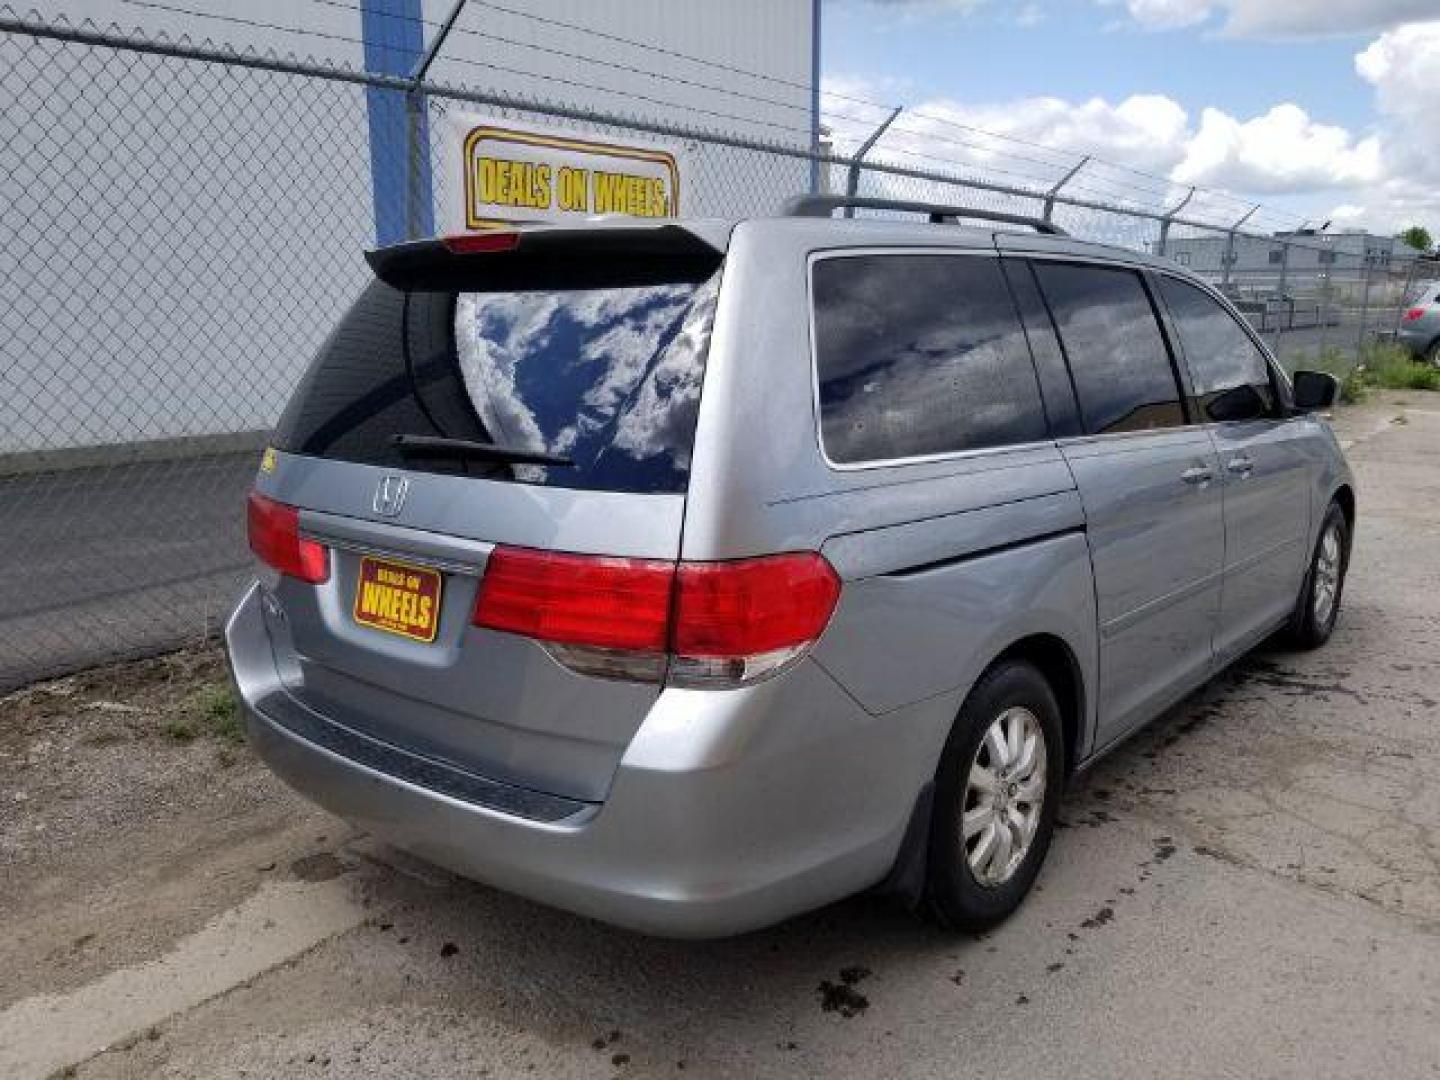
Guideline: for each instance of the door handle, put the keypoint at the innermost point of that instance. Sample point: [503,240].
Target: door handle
[1198,474]
[1240,466]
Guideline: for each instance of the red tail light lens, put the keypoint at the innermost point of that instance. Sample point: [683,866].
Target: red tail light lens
[1414,313]
[721,623]
[478,243]
[753,606]
[275,539]
[577,599]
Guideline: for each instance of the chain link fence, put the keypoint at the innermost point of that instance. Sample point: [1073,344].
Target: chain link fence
[181,224]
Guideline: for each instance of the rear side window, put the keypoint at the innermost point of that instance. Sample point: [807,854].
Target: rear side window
[1124,379]
[609,378]
[1231,376]
[919,355]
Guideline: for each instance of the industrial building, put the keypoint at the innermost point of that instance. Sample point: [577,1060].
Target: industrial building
[1305,257]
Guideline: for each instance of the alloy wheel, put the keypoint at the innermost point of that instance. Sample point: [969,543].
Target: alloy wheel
[1004,794]
[1327,576]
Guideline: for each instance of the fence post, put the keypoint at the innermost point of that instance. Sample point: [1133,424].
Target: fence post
[1168,218]
[1054,191]
[1229,256]
[1364,313]
[1287,305]
[852,180]
[415,145]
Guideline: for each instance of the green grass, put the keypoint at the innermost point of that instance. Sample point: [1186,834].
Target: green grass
[1383,366]
[1393,368]
[211,712]
[181,729]
[220,714]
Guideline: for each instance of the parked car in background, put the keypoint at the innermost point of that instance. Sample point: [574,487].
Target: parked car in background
[693,575]
[1419,329]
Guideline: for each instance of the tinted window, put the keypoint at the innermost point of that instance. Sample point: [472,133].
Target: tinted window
[920,354]
[1122,371]
[1231,376]
[609,378]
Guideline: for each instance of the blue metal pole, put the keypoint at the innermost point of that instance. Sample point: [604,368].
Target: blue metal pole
[394,36]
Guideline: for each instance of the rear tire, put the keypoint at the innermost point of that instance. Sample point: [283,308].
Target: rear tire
[996,796]
[1432,355]
[1318,607]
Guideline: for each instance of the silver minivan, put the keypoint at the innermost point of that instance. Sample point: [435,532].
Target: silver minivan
[691,575]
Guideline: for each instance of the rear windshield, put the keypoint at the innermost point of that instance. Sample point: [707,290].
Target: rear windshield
[608,378]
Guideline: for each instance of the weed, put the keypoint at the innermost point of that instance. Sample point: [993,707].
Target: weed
[1389,366]
[221,714]
[211,711]
[1383,365]
[181,728]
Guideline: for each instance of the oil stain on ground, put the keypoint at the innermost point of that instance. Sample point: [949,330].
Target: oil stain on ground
[842,996]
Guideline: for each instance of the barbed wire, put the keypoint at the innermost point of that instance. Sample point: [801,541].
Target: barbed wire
[487,65]
[1156,188]
[1031,186]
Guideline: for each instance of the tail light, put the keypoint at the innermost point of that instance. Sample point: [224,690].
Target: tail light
[275,539]
[693,623]
[479,243]
[1414,313]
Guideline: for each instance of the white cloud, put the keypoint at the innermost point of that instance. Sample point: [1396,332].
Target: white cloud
[1145,130]
[1279,18]
[1168,14]
[1279,152]
[1385,177]
[1030,15]
[1319,17]
[1404,67]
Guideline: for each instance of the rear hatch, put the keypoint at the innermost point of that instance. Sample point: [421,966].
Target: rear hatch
[531,393]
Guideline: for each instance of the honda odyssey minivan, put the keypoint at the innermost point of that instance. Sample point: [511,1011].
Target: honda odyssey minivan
[692,575]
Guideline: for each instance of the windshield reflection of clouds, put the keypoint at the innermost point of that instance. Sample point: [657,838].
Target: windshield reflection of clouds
[588,374]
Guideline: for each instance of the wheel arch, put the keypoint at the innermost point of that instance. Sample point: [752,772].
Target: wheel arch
[1056,660]
[1345,496]
[1058,663]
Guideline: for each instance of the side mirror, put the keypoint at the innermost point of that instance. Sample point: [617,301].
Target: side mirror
[1315,391]
[1241,403]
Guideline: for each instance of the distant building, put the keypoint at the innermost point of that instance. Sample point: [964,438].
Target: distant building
[1313,257]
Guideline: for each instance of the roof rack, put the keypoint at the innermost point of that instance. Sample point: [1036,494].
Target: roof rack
[823,206]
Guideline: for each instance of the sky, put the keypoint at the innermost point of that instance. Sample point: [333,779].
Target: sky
[1321,110]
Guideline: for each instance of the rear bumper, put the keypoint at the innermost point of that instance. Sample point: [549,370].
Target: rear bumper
[729,811]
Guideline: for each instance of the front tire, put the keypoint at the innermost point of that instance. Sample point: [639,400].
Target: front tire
[996,796]
[1318,607]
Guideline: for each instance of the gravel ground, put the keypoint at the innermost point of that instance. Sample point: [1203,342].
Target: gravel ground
[1249,888]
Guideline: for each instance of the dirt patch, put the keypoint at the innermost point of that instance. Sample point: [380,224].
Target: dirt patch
[322,866]
[133,779]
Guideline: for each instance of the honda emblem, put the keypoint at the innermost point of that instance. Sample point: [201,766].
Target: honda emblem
[390,495]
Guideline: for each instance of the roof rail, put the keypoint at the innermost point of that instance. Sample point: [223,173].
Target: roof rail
[824,205]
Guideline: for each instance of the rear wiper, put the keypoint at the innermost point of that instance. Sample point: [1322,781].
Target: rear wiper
[440,446]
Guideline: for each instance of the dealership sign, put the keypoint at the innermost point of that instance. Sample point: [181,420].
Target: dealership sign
[497,172]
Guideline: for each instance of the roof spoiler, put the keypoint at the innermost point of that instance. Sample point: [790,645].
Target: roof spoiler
[548,258]
[822,206]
